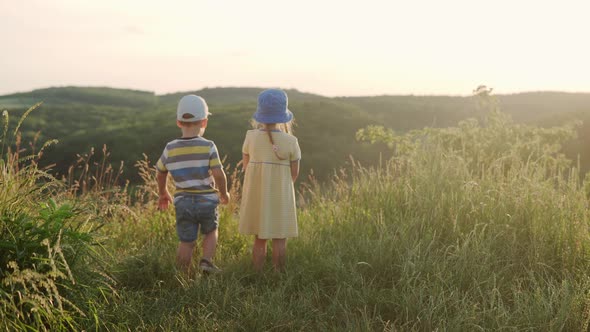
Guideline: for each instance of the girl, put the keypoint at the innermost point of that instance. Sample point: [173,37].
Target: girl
[271,161]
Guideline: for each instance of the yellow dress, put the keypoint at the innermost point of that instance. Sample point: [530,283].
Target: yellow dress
[268,195]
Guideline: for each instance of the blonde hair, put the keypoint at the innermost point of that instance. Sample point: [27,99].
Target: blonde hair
[286,127]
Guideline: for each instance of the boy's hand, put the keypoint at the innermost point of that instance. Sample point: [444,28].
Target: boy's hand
[164,201]
[224,199]
[221,183]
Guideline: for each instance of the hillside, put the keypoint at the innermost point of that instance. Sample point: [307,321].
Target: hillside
[134,122]
[98,96]
[486,228]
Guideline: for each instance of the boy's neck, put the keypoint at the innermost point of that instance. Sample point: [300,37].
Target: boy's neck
[188,132]
[273,126]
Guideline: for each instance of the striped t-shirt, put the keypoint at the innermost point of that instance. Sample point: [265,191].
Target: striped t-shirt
[189,160]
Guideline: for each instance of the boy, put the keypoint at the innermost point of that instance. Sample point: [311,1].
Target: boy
[194,164]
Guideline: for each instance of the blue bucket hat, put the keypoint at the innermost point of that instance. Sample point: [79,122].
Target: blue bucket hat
[272,107]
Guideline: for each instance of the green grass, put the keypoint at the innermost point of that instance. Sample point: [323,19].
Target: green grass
[386,250]
[465,229]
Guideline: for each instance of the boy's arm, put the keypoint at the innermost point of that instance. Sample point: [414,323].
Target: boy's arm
[164,197]
[221,182]
[294,170]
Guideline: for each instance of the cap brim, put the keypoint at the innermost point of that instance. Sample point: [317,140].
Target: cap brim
[193,119]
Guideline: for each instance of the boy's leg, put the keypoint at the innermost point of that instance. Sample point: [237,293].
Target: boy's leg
[187,231]
[209,245]
[184,255]
[279,249]
[208,219]
[259,253]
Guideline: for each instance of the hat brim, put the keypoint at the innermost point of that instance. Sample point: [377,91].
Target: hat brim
[273,118]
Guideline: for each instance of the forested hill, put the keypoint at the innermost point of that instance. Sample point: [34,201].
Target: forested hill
[133,122]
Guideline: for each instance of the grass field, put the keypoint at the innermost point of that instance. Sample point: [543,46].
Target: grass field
[479,227]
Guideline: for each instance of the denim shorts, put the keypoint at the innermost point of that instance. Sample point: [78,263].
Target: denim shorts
[194,211]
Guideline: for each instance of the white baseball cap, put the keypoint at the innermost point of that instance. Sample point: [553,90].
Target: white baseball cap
[192,108]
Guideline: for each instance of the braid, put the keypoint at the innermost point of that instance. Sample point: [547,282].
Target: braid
[274,147]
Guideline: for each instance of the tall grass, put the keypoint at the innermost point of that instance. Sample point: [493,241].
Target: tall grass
[483,226]
[444,249]
[46,243]
[443,236]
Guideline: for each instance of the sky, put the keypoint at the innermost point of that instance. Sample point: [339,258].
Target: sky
[333,48]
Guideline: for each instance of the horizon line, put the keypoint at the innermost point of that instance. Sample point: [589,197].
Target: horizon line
[287,89]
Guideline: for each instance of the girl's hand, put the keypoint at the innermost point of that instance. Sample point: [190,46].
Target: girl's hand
[164,201]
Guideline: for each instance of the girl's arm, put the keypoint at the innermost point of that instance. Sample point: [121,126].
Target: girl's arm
[245,161]
[294,170]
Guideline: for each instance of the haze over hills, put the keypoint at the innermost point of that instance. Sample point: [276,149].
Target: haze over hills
[133,122]
[128,97]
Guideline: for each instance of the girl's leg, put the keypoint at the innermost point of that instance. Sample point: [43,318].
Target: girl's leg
[259,253]
[279,250]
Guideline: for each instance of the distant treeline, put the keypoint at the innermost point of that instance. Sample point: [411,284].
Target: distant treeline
[133,122]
